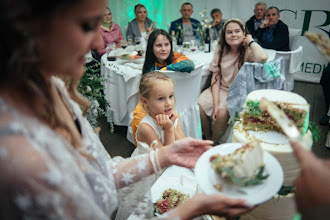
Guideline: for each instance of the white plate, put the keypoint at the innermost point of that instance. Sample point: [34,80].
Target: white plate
[138,60]
[207,177]
[271,137]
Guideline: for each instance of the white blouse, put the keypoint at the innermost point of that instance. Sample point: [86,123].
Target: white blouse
[44,177]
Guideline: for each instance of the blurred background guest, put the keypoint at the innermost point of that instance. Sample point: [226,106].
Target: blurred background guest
[187,24]
[138,27]
[325,83]
[110,31]
[256,20]
[160,56]
[273,33]
[217,24]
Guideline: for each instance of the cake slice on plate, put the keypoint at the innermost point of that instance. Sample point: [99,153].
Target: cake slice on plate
[243,167]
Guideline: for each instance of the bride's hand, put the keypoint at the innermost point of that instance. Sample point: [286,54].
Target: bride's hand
[184,152]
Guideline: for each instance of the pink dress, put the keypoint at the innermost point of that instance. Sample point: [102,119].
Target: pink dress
[229,70]
[109,36]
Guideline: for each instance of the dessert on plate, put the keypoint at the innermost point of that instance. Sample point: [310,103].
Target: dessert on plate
[243,167]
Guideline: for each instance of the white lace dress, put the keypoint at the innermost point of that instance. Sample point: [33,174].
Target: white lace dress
[44,177]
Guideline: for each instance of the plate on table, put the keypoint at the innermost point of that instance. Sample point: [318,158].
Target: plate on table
[207,177]
[127,58]
[172,183]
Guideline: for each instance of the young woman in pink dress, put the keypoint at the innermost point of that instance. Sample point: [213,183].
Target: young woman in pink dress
[235,48]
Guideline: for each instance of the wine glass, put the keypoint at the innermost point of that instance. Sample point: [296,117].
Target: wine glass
[111,47]
[137,40]
[123,44]
[129,40]
[193,45]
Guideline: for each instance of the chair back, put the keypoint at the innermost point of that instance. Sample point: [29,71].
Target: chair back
[187,90]
[187,87]
[292,63]
[294,35]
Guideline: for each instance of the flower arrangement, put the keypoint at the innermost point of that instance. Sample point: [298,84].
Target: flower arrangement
[203,25]
[90,86]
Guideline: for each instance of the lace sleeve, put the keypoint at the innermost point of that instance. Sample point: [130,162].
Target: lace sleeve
[34,187]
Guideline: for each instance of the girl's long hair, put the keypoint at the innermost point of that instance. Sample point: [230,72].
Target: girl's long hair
[150,56]
[20,59]
[224,46]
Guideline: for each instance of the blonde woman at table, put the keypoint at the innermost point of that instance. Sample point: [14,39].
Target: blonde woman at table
[140,25]
[52,164]
[235,48]
[160,56]
[161,122]
[110,31]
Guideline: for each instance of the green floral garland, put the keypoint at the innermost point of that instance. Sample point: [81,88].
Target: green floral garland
[90,86]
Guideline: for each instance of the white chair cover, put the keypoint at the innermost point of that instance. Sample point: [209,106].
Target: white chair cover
[252,77]
[187,90]
[292,63]
[294,35]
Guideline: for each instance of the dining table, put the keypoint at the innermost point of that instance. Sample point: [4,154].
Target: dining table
[122,78]
[121,83]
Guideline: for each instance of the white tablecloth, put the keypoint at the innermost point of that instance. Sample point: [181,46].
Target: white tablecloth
[121,90]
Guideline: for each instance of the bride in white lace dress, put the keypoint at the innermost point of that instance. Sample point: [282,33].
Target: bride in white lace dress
[52,164]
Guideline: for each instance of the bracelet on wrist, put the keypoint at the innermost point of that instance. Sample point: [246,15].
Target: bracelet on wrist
[251,43]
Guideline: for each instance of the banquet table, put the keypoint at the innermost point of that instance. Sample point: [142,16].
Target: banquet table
[122,86]
[123,78]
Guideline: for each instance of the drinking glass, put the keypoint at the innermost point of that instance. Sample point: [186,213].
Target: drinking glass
[129,40]
[137,40]
[123,44]
[111,47]
[193,45]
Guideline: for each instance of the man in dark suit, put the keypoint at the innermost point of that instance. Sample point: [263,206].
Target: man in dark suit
[187,24]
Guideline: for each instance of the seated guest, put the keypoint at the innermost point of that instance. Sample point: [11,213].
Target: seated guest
[256,20]
[160,56]
[325,83]
[138,27]
[235,48]
[217,24]
[187,24]
[110,31]
[273,33]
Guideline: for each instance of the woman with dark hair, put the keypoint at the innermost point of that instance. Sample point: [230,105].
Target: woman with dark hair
[160,56]
[52,164]
[235,48]
[140,25]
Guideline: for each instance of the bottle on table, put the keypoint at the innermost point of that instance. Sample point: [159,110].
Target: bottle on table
[207,45]
[173,40]
[180,40]
[180,37]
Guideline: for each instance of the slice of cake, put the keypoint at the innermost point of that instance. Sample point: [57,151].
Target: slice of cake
[243,167]
[295,107]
